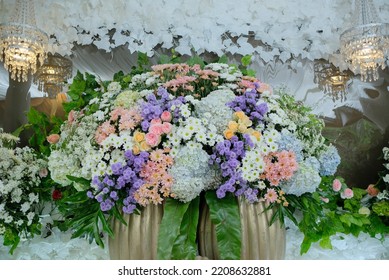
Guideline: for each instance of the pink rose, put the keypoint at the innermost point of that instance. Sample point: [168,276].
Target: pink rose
[155,121]
[166,116]
[347,193]
[167,127]
[325,199]
[53,138]
[372,191]
[156,129]
[152,139]
[336,185]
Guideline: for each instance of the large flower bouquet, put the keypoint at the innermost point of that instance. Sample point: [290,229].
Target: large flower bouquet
[169,135]
[21,174]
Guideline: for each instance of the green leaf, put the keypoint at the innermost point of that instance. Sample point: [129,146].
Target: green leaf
[251,72]
[169,230]
[223,59]
[185,246]
[326,243]
[79,180]
[196,60]
[226,218]
[164,59]
[143,59]
[305,245]
[246,60]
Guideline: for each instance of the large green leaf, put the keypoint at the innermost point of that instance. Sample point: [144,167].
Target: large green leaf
[226,218]
[169,230]
[185,246]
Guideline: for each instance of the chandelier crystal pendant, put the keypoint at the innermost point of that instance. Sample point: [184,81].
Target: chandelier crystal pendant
[331,80]
[53,74]
[365,45]
[22,45]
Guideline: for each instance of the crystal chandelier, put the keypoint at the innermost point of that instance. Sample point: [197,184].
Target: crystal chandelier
[331,80]
[53,74]
[365,45]
[22,44]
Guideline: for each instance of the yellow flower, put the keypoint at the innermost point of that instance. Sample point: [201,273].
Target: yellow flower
[228,134]
[233,126]
[139,136]
[242,128]
[136,149]
[240,115]
[144,146]
[246,121]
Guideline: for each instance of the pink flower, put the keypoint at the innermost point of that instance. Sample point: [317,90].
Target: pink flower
[53,138]
[271,195]
[71,117]
[324,199]
[166,116]
[336,185]
[155,121]
[372,191]
[156,129]
[152,139]
[166,127]
[347,193]
[43,172]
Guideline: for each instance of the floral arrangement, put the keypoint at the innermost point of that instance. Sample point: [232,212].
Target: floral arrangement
[180,130]
[21,174]
[377,198]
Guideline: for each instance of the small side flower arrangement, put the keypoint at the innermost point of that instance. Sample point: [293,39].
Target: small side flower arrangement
[21,174]
[376,201]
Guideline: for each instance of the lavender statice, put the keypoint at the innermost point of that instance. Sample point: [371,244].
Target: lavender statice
[157,104]
[122,184]
[249,104]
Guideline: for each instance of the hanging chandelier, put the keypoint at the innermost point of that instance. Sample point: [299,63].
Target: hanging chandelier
[331,80]
[22,44]
[53,74]
[366,44]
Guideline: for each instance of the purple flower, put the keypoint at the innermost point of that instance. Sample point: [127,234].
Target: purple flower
[248,104]
[129,209]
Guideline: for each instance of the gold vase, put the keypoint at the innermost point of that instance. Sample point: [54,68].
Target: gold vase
[139,239]
[259,240]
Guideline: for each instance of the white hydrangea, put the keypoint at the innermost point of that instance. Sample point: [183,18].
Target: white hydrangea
[127,99]
[213,108]
[191,172]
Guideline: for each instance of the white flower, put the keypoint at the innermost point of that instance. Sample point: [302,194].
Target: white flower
[32,197]
[25,207]
[114,86]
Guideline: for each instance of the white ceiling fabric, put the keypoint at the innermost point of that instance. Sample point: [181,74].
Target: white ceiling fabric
[284,36]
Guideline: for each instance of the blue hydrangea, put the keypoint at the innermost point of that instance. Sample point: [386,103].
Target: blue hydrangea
[329,160]
[305,180]
[290,142]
